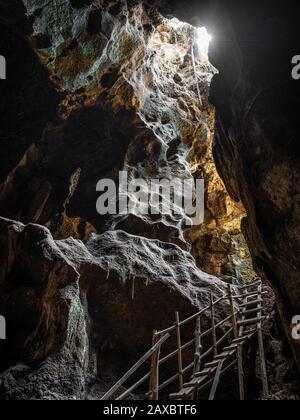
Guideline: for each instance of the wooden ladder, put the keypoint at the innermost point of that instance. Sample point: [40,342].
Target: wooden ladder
[207,367]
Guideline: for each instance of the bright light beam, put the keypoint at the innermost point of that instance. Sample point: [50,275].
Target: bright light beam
[202,41]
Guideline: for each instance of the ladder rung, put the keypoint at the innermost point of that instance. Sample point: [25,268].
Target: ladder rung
[177,396]
[254,302]
[222,356]
[212,364]
[251,321]
[191,384]
[183,394]
[203,373]
[195,384]
[250,295]
[254,284]
[241,339]
[231,348]
[237,342]
[265,288]
[251,311]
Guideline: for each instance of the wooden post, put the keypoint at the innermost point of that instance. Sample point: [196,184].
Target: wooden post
[179,347]
[154,376]
[216,380]
[240,357]
[241,372]
[213,326]
[263,366]
[239,349]
[234,320]
[198,352]
[198,345]
[127,375]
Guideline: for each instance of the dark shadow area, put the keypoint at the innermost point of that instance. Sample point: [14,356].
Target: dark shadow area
[27,100]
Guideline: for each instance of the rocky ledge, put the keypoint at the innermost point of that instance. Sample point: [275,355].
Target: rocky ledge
[69,304]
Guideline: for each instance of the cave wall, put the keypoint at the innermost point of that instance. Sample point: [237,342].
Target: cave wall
[122,80]
[256,146]
[119,94]
[90,95]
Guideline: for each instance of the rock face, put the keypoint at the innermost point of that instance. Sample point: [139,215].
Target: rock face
[257,124]
[40,300]
[110,86]
[115,88]
[66,303]
[256,148]
[127,84]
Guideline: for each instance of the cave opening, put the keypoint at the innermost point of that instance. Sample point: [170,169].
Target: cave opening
[170,76]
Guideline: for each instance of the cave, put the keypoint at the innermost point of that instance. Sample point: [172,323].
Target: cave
[159,90]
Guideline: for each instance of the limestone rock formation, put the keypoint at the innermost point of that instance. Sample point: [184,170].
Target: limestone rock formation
[256,148]
[257,124]
[127,84]
[106,86]
[67,303]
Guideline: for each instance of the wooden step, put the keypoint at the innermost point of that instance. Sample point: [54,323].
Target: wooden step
[195,383]
[183,394]
[251,321]
[204,372]
[191,384]
[245,337]
[250,311]
[179,396]
[212,364]
[231,348]
[251,295]
[253,302]
[223,355]
[255,284]
[238,342]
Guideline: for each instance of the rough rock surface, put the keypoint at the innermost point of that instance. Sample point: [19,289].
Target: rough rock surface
[67,304]
[119,95]
[127,85]
[101,77]
[257,150]
[257,124]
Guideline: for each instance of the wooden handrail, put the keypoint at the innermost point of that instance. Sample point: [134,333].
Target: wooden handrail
[236,328]
[175,352]
[179,351]
[222,373]
[213,326]
[154,372]
[198,345]
[193,317]
[134,387]
[263,367]
[167,358]
[131,371]
[190,343]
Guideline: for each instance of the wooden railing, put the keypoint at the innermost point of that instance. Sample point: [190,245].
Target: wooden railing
[233,329]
